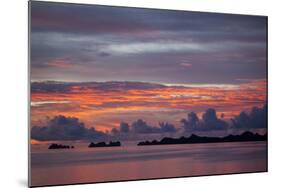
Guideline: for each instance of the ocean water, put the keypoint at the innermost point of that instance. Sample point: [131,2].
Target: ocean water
[89,165]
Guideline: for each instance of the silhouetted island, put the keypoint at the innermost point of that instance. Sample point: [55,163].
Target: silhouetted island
[194,139]
[60,146]
[103,144]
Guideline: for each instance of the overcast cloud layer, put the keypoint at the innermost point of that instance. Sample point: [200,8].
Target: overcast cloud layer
[99,43]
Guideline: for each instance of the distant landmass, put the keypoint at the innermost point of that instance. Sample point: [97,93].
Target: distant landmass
[194,139]
[103,144]
[60,146]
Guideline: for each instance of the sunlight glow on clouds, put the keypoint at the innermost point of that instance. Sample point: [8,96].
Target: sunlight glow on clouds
[41,103]
[105,105]
[155,47]
[106,65]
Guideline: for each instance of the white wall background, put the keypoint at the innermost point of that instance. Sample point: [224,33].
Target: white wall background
[13,82]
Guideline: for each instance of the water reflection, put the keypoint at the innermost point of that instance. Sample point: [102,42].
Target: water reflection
[133,162]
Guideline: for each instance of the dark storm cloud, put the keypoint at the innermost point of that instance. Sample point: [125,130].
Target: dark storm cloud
[65,128]
[209,122]
[257,118]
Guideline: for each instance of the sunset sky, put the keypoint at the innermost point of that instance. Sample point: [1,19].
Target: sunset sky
[106,65]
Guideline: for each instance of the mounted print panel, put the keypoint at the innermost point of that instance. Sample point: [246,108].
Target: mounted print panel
[119,94]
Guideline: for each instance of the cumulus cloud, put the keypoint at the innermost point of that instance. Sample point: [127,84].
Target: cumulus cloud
[141,127]
[167,127]
[257,118]
[209,122]
[65,128]
[191,122]
[124,127]
[71,128]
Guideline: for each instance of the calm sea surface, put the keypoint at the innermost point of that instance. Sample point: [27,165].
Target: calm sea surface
[135,162]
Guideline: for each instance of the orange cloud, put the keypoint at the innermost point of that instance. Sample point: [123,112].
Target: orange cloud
[105,108]
[60,63]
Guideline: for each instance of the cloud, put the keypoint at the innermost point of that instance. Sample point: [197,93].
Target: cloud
[167,127]
[257,118]
[50,17]
[71,128]
[60,63]
[67,87]
[112,102]
[65,128]
[42,103]
[155,47]
[104,54]
[51,87]
[209,122]
[191,123]
[212,122]
[141,127]
[124,127]
[187,65]
[100,38]
[101,19]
